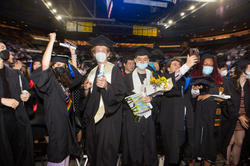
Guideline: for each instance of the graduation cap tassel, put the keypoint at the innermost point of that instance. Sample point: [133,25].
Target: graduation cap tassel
[30,65]
[228,75]
[152,66]
[71,70]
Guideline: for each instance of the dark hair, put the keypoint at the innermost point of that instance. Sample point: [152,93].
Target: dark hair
[172,60]
[239,70]
[197,71]
[127,59]
[63,79]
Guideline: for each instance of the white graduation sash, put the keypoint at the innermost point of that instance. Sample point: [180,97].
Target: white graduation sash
[91,77]
[140,88]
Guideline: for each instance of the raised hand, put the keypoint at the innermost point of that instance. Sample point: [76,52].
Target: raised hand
[191,60]
[52,37]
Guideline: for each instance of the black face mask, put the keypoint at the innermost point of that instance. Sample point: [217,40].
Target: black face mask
[5,54]
[59,70]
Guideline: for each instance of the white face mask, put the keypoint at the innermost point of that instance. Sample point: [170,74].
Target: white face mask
[100,57]
[223,73]
[141,66]
[248,75]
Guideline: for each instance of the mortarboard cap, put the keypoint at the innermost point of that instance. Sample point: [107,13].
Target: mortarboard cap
[59,58]
[205,81]
[63,59]
[101,41]
[242,62]
[142,50]
[34,58]
[157,54]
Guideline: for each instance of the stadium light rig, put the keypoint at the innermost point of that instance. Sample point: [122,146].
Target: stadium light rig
[53,11]
[192,9]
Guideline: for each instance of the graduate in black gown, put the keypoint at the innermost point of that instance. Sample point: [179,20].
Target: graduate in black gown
[139,137]
[15,131]
[54,82]
[176,113]
[235,127]
[104,90]
[35,104]
[205,110]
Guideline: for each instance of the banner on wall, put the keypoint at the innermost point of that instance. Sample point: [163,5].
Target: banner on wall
[144,31]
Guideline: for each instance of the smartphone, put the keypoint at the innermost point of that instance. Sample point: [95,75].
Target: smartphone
[196,52]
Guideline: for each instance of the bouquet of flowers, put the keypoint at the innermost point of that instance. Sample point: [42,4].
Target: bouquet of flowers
[152,87]
[159,85]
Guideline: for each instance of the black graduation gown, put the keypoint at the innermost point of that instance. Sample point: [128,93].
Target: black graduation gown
[62,141]
[103,138]
[16,151]
[36,113]
[175,130]
[76,95]
[139,138]
[233,106]
[205,134]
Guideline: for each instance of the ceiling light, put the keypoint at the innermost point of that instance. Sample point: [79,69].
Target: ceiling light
[49,4]
[170,21]
[58,17]
[54,10]
[182,14]
[166,26]
[192,7]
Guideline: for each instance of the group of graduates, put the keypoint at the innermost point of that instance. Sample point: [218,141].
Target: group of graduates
[193,122]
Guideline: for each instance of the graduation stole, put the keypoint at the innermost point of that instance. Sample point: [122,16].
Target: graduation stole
[139,88]
[69,105]
[32,84]
[68,99]
[91,77]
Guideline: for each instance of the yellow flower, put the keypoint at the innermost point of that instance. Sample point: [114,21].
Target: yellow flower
[166,85]
[152,80]
[163,79]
